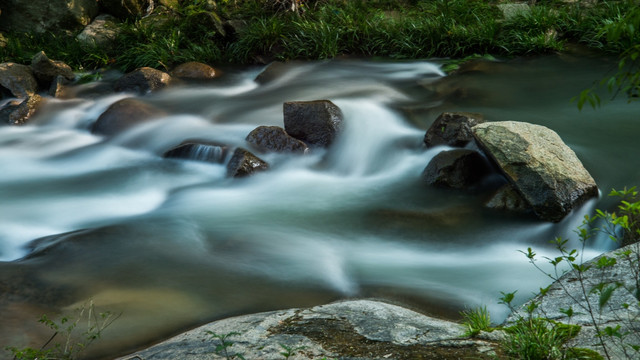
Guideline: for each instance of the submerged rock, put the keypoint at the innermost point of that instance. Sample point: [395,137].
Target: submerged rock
[143,80]
[194,71]
[452,128]
[123,115]
[274,138]
[457,169]
[198,150]
[508,198]
[359,329]
[26,110]
[18,79]
[539,164]
[317,123]
[243,163]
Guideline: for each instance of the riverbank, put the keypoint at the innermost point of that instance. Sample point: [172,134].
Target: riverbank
[250,31]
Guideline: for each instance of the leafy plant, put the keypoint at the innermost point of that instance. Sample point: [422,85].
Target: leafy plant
[476,320]
[289,351]
[222,348]
[71,343]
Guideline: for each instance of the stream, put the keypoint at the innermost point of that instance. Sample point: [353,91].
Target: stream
[172,244]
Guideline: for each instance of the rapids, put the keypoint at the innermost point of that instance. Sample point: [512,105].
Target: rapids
[172,243]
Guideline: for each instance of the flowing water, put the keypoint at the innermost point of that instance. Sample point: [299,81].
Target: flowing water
[173,243]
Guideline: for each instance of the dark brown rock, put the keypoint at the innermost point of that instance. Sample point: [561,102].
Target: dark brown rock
[274,138]
[543,169]
[26,110]
[198,150]
[457,169]
[243,163]
[45,69]
[452,128]
[194,70]
[39,16]
[317,123]
[18,79]
[143,80]
[58,88]
[123,115]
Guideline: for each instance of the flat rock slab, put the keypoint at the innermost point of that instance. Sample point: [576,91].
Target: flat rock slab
[359,329]
[542,168]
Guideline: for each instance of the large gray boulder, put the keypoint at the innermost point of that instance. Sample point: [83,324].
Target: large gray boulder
[123,115]
[359,329]
[456,169]
[274,138]
[143,80]
[452,129]
[574,291]
[46,15]
[18,79]
[542,168]
[317,123]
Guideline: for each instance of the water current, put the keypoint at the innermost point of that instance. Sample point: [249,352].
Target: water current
[174,243]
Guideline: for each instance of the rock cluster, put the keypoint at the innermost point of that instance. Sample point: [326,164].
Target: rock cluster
[315,120]
[542,173]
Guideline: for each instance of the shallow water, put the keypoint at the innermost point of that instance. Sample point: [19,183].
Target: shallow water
[172,243]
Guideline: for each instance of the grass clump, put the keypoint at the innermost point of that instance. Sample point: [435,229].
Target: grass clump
[476,320]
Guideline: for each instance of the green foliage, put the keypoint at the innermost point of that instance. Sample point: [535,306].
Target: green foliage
[476,320]
[537,339]
[288,351]
[73,336]
[223,345]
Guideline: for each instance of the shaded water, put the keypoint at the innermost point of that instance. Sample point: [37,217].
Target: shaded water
[173,243]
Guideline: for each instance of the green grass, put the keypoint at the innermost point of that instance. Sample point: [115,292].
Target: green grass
[323,29]
[476,320]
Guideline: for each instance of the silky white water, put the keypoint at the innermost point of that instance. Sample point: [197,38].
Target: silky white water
[173,243]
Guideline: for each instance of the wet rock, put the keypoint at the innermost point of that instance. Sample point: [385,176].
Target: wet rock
[45,69]
[143,80]
[507,198]
[26,110]
[198,150]
[125,9]
[58,88]
[457,169]
[123,115]
[539,164]
[452,128]
[361,329]
[194,71]
[18,79]
[317,123]
[622,309]
[40,16]
[6,111]
[274,138]
[102,32]
[243,163]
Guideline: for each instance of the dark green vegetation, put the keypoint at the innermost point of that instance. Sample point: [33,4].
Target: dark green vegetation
[260,31]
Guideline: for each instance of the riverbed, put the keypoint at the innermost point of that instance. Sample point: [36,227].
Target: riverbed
[170,244]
